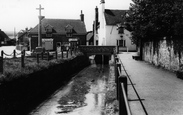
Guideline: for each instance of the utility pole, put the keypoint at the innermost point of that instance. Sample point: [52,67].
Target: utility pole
[39,26]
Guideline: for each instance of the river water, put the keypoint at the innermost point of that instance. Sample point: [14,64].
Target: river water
[85,94]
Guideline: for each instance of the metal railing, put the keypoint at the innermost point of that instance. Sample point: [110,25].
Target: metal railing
[139,99]
[122,96]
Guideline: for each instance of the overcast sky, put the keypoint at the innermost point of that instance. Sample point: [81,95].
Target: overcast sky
[22,13]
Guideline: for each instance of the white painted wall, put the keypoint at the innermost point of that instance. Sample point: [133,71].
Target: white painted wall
[108,34]
[112,36]
[102,39]
[127,36]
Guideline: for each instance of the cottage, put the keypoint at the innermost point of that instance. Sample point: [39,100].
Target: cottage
[3,38]
[23,40]
[59,33]
[107,30]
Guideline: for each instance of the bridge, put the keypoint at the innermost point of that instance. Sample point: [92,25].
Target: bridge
[102,53]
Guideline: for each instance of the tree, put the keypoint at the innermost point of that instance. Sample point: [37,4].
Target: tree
[153,19]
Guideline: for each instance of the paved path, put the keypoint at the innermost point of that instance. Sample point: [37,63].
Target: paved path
[161,89]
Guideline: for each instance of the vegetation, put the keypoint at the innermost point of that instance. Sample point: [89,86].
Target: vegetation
[154,19]
[13,69]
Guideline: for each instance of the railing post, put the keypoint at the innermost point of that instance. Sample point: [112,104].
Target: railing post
[117,49]
[2,53]
[67,53]
[14,53]
[123,79]
[118,73]
[116,69]
[62,53]
[42,55]
[122,106]
[71,52]
[48,56]
[24,52]
[22,60]
[37,56]
[56,54]
[1,65]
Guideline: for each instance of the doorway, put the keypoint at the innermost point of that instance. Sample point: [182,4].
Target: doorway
[59,47]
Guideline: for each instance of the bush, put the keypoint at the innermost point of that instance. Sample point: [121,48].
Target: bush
[13,70]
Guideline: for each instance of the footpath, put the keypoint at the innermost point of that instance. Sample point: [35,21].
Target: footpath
[160,90]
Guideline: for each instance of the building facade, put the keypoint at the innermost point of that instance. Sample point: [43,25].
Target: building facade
[62,33]
[106,30]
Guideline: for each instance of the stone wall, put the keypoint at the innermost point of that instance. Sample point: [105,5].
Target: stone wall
[162,54]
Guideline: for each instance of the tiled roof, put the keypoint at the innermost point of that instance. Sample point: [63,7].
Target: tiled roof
[89,36]
[59,25]
[3,35]
[114,17]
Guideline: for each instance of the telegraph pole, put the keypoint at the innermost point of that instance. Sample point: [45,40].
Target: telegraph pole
[39,26]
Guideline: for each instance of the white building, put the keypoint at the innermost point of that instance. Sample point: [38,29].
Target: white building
[106,31]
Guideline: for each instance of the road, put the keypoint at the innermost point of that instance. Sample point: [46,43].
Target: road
[161,90]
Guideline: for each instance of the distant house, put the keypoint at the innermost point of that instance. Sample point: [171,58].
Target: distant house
[107,31]
[59,32]
[3,38]
[23,40]
[89,38]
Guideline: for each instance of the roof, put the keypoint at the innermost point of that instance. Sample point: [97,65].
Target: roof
[3,35]
[89,36]
[59,25]
[114,17]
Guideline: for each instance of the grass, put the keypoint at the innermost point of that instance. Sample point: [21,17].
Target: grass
[13,70]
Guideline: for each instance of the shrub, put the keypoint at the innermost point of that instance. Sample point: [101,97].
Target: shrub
[13,70]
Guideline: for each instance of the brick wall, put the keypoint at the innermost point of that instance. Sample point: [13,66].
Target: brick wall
[162,55]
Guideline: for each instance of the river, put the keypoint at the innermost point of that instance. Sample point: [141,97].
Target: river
[85,94]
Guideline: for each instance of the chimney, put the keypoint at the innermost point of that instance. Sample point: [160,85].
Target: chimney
[82,16]
[96,16]
[102,1]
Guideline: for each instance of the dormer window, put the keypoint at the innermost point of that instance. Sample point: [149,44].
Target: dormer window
[49,30]
[68,35]
[69,30]
[120,28]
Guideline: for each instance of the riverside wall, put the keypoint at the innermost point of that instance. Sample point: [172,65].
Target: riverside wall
[162,54]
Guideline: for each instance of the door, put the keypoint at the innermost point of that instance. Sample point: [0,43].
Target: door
[59,47]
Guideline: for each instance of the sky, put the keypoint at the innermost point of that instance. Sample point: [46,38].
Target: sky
[20,14]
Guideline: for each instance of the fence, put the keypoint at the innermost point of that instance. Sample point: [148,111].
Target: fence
[131,83]
[44,55]
[121,87]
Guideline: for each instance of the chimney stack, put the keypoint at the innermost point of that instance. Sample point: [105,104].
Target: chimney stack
[102,1]
[96,16]
[82,16]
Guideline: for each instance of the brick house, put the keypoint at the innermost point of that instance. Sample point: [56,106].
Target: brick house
[59,32]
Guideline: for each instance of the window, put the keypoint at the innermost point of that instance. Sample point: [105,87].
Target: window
[49,31]
[69,30]
[122,43]
[120,31]
[48,35]
[49,28]
[97,42]
[68,34]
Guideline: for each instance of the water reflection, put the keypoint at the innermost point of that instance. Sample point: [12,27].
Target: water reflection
[86,95]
